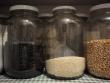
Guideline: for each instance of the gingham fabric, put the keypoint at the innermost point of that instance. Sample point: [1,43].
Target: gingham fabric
[45,79]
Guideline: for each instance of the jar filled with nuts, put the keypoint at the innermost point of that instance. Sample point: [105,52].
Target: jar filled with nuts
[98,41]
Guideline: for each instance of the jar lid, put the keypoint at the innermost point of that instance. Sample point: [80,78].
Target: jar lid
[100,6]
[63,7]
[3,16]
[26,7]
[45,15]
[82,15]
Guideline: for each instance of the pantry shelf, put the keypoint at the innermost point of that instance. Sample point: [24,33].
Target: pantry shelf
[45,79]
[53,2]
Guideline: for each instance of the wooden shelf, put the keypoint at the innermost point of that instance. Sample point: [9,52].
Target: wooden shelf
[53,2]
[45,79]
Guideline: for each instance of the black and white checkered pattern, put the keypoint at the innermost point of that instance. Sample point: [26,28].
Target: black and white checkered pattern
[45,79]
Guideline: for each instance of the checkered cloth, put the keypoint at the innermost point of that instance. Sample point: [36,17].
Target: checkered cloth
[45,79]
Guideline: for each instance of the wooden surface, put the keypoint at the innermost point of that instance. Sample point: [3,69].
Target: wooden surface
[53,2]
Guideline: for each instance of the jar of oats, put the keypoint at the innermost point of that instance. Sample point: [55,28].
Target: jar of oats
[64,45]
[98,41]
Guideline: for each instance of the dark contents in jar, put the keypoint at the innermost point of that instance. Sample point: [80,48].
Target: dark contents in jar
[25,57]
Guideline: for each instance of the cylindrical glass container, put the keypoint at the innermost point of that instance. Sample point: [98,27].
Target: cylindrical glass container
[4,37]
[2,23]
[44,18]
[98,41]
[64,46]
[23,51]
[84,17]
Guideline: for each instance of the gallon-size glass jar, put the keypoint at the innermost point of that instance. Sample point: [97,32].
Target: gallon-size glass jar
[23,50]
[64,46]
[98,41]
[44,18]
[2,27]
[84,18]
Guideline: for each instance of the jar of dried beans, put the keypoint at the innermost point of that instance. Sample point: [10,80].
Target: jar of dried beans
[98,41]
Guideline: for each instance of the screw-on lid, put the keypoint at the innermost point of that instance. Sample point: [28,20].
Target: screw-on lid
[3,16]
[26,7]
[45,15]
[63,7]
[82,15]
[100,6]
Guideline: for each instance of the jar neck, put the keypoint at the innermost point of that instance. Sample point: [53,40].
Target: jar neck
[100,12]
[23,13]
[63,12]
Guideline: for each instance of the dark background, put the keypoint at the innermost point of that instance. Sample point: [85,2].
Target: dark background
[47,5]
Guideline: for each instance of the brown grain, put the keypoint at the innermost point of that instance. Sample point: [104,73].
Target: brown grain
[98,57]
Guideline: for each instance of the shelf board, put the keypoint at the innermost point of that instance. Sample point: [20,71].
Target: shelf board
[53,2]
[45,79]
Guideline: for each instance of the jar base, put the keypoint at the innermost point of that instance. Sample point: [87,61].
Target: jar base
[97,76]
[62,78]
[22,74]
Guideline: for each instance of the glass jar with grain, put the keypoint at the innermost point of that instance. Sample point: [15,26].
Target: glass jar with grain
[98,41]
[64,45]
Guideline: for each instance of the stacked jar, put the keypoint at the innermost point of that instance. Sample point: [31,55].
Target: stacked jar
[23,57]
[64,46]
[98,41]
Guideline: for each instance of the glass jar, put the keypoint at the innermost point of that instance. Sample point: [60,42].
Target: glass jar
[64,46]
[3,32]
[23,50]
[2,20]
[98,41]
[84,18]
[44,17]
